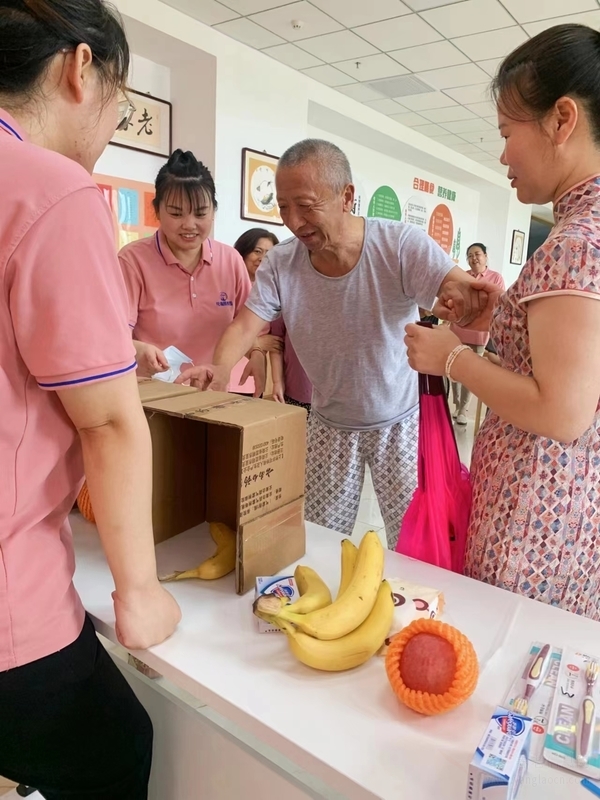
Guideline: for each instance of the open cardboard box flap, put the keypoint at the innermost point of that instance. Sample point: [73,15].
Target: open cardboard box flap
[220,457]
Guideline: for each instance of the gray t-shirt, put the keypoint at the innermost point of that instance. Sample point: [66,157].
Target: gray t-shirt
[348,332]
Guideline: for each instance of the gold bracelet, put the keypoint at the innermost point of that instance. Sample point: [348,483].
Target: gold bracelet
[452,358]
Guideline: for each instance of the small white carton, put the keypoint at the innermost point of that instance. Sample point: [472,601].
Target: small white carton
[280,585]
[501,760]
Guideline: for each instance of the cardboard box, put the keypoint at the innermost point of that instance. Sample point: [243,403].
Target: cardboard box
[220,457]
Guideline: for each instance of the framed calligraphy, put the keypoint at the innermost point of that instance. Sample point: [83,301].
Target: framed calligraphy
[150,129]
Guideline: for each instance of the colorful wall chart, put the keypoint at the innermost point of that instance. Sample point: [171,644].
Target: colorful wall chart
[130,203]
[385,204]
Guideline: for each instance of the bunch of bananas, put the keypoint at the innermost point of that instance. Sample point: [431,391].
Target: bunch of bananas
[343,633]
[221,563]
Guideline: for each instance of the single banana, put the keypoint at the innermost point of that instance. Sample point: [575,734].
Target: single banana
[219,564]
[314,593]
[349,554]
[351,650]
[349,610]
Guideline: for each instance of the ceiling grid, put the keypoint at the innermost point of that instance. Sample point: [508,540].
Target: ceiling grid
[426,64]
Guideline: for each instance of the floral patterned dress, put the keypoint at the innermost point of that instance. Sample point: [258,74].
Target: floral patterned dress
[535,522]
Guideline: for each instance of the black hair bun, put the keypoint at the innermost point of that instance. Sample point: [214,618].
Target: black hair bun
[184,164]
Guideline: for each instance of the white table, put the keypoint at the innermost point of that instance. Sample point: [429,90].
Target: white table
[347,730]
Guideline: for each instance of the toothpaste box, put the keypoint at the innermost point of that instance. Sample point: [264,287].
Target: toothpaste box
[282,586]
[501,760]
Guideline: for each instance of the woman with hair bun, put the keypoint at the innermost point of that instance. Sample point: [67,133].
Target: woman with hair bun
[536,463]
[70,726]
[184,286]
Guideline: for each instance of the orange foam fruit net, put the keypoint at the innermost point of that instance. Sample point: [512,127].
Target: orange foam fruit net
[84,504]
[432,667]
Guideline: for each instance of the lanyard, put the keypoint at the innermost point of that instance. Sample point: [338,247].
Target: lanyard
[159,248]
[10,130]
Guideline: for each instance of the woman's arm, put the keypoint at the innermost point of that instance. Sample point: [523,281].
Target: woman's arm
[559,401]
[117,457]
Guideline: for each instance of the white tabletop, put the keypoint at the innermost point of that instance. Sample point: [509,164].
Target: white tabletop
[346,728]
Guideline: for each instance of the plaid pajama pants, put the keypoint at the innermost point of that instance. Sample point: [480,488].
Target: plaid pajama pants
[335,473]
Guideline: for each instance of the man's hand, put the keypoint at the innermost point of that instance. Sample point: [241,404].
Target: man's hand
[256,368]
[279,392]
[210,377]
[270,344]
[468,304]
[145,617]
[150,360]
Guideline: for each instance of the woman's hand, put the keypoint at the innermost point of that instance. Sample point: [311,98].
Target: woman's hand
[429,348]
[270,344]
[145,617]
[150,360]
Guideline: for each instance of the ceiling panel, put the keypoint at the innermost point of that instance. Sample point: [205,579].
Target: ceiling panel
[253,6]
[207,11]
[313,21]
[423,5]
[387,106]
[362,13]
[400,32]
[430,56]
[293,56]
[486,110]
[493,43]
[471,16]
[465,148]
[360,92]
[424,102]
[430,130]
[453,114]
[477,93]
[409,118]
[531,10]
[482,136]
[328,75]
[452,77]
[468,126]
[447,139]
[248,32]
[371,68]
[338,46]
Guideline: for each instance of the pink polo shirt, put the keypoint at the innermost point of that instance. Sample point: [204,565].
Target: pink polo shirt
[170,306]
[479,338]
[63,320]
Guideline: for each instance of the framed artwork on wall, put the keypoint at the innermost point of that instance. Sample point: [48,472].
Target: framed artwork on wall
[517,248]
[150,129]
[259,202]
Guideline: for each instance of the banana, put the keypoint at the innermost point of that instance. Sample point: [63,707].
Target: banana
[314,593]
[219,564]
[349,553]
[349,610]
[351,650]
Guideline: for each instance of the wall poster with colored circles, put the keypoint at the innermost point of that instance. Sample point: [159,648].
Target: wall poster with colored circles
[130,203]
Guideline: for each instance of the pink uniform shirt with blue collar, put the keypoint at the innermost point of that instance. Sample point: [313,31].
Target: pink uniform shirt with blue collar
[63,318]
[170,306]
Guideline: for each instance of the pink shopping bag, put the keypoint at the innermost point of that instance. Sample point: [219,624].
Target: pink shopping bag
[434,528]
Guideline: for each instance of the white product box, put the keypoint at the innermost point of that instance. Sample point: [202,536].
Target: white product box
[280,585]
[501,760]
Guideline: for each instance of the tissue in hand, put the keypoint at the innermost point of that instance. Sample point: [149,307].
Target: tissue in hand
[176,360]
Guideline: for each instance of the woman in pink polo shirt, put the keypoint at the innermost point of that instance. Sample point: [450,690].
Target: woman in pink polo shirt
[69,724]
[478,267]
[184,286]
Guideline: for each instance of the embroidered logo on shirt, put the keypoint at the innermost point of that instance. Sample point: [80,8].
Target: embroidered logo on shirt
[223,301]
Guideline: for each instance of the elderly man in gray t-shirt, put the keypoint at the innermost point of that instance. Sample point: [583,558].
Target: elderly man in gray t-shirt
[346,287]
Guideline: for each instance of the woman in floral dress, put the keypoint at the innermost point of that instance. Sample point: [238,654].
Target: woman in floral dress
[535,523]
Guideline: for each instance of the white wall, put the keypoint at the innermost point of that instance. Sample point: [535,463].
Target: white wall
[145,76]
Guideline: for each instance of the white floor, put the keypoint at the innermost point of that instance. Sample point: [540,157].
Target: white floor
[369,515]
